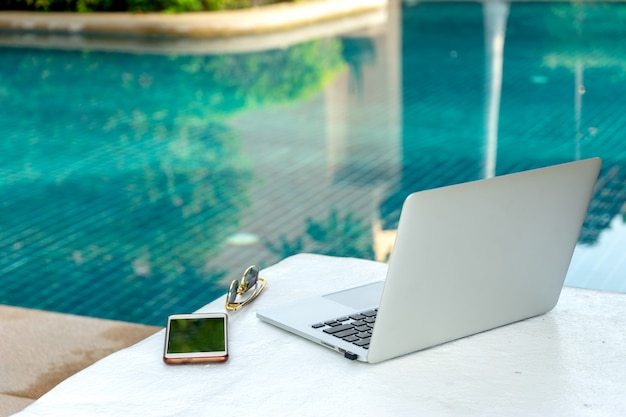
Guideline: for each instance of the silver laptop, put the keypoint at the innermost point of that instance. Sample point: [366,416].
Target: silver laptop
[467,258]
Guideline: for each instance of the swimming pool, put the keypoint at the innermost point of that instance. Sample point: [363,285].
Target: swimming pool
[138,185]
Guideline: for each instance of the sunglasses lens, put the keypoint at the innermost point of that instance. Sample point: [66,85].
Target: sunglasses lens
[232,292]
[250,277]
[249,280]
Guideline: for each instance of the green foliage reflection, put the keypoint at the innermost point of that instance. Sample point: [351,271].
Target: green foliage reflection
[121,175]
[334,236]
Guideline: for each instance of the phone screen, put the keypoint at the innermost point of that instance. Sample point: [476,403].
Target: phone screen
[196,338]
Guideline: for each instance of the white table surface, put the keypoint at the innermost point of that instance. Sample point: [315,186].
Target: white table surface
[569,362]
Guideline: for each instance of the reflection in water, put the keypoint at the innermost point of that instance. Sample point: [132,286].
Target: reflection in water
[496,13]
[123,180]
[537,112]
[130,180]
[357,51]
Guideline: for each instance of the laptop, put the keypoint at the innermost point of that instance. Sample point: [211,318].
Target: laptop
[467,258]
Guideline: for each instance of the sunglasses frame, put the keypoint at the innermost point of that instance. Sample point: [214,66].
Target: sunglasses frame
[240,287]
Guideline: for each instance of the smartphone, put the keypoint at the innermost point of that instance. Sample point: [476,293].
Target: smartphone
[199,337]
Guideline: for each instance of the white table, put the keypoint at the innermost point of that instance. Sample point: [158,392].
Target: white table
[569,362]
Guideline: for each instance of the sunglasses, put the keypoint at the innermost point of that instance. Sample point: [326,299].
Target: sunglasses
[249,281]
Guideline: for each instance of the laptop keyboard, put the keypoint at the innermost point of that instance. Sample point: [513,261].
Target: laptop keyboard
[356,328]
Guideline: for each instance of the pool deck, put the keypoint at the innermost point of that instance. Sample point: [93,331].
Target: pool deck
[40,348]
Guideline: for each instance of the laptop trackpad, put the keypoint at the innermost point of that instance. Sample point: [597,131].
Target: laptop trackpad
[359,298]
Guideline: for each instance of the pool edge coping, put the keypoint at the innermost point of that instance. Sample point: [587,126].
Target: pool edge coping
[258,20]
[267,27]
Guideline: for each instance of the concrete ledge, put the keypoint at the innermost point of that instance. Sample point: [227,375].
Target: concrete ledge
[41,349]
[269,27]
[368,21]
[264,19]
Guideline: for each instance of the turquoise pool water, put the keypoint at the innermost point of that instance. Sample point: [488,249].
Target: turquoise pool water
[138,185]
